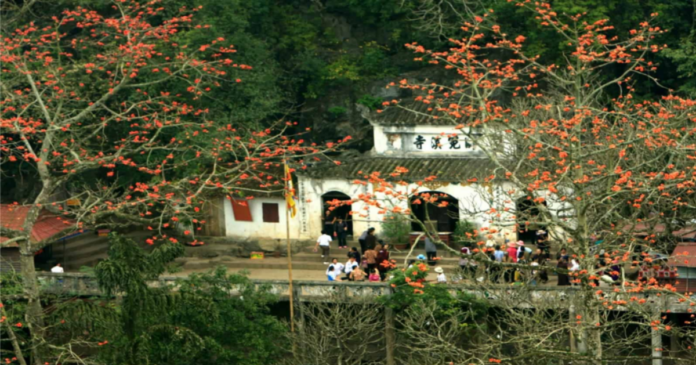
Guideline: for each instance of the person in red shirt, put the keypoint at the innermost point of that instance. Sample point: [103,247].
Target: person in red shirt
[512,252]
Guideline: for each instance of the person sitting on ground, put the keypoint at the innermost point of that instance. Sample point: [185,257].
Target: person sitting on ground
[374,275]
[441,278]
[349,267]
[57,269]
[332,274]
[357,274]
[337,265]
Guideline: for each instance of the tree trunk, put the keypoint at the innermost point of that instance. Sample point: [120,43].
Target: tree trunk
[656,348]
[674,339]
[571,319]
[595,338]
[656,340]
[390,338]
[34,314]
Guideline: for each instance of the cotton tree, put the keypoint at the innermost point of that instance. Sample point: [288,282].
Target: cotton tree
[103,109]
[590,158]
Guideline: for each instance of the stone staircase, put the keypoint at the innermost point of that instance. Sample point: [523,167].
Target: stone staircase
[305,259]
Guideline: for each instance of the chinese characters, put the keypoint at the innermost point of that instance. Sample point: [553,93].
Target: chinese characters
[419,142]
[437,143]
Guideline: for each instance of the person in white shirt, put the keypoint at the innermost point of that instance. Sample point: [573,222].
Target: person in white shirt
[349,266]
[441,278]
[574,267]
[57,269]
[332,274]
[324,241]
[337,266]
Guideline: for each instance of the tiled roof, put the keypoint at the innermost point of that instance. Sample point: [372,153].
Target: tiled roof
[410,112]
[453,170]
[46,226]
[642,229]
[684,255]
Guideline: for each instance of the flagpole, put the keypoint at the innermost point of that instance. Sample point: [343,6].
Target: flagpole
[287,233]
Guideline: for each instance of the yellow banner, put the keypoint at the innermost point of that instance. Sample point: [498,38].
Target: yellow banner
[289,191]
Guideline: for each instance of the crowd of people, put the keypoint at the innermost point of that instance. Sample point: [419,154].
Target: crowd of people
[371,263]
[512,263]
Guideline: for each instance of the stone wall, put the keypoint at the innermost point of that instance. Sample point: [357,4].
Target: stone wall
[243,246]
[79,284]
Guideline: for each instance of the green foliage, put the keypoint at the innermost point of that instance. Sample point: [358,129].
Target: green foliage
[199,322]
[173,268]
[336,112]
[465,232]
[685,57]
[372,102]
[678,16]
[10,283]
[13,310]
[87,270]
[375,61]
[410,289]
[342,70]
[396,227]
[129,267]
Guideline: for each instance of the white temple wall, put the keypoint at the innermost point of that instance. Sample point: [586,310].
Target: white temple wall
[257,228]
[475,203]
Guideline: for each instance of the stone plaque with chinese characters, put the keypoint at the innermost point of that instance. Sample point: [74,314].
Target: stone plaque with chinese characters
[451,143]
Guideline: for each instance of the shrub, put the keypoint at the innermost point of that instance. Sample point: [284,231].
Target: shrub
[372,102]
[336,112]
[396,227]
[465,232]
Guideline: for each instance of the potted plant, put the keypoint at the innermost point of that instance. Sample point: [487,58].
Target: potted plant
[396,227]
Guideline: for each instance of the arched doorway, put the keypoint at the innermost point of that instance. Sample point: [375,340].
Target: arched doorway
[527,217]
[336,205]
[442,214]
